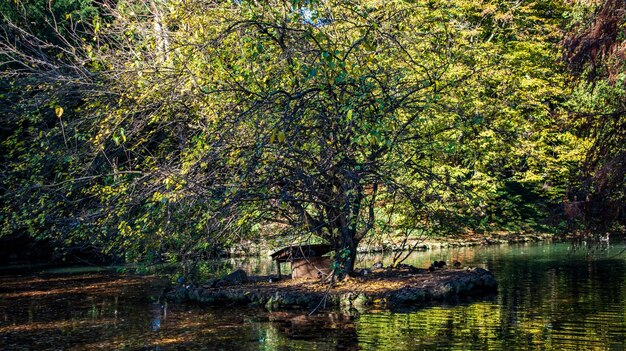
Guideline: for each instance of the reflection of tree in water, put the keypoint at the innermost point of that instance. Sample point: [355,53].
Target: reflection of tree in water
[585,284]
[463,327]
[551,297]
[289,330]
[547,300]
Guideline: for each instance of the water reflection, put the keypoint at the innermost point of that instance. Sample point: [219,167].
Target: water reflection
[297,331]
[549,298]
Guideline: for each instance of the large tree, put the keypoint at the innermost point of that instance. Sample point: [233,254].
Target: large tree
[331,119]
[322,116]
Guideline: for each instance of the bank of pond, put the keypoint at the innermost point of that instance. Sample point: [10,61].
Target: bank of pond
[549,297]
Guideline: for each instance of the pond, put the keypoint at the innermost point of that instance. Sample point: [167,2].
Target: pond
[550,297]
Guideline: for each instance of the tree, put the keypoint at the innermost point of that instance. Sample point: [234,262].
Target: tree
[43,80]
[321,116]
[594,49]
[330,119]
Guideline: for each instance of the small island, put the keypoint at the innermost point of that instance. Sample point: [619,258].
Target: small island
[398,288]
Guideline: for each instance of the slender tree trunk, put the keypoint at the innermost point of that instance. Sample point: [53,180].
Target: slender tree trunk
[351,259]
[345,253]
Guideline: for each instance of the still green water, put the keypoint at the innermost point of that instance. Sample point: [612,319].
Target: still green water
[550,297]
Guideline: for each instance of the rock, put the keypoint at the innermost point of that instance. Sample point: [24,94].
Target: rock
[354,300]
[209,283]
[237,277]
[439,264]
[364,272]
[377,265]
[407,296]
[293,299]
[487,280]
[177,294]
[194,294]
[408,267]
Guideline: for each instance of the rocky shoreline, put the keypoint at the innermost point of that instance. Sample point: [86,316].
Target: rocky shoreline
[378,246]
[408,287]
[452,242]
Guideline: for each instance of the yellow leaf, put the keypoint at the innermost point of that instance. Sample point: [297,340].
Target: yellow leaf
[58,111]
[349,116]
[281,136]
[272,138]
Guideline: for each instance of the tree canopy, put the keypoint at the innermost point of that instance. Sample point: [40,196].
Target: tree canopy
[171,128]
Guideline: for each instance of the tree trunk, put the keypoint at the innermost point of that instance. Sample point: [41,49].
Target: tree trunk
[345,254]
[351,259]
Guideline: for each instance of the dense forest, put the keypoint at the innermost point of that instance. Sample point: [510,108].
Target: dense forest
[168,130]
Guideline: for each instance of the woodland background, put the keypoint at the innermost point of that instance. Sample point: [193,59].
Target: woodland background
[172,130]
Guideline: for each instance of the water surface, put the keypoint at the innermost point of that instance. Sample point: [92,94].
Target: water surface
[550,298]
